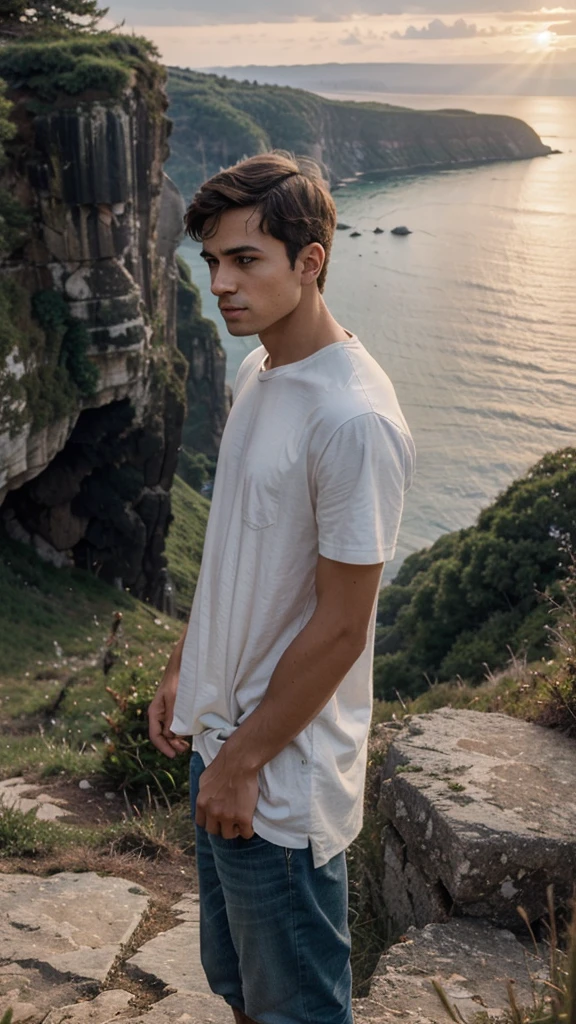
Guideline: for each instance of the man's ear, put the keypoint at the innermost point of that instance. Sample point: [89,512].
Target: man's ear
[312,257]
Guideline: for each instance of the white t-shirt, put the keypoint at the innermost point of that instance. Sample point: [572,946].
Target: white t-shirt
[315,459]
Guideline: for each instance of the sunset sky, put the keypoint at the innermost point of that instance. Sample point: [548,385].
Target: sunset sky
[203,33]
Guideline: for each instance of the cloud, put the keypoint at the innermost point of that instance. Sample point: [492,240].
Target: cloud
[329,17]
[350,39]
[530,17]
[564,28]
[216,12]
[438,29]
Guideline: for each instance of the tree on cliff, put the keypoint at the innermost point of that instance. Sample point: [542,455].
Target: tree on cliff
[22,19]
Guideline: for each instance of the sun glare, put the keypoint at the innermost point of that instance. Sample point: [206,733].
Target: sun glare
[544,39]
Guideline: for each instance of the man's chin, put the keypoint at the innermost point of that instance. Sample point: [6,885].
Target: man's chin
[240,330]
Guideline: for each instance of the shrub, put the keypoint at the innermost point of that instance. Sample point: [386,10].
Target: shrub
[459,606]
[131,761]
[395,673]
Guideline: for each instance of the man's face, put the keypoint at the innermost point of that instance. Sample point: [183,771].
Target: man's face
[250,273]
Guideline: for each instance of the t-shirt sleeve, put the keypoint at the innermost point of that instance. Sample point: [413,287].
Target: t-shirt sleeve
[361,479]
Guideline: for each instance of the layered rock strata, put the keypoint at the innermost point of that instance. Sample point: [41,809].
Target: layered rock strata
[85,472]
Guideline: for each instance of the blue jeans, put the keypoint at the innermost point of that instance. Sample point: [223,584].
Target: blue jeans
[274,936]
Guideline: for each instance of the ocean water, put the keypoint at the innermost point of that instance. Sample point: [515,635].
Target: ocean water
[473,315]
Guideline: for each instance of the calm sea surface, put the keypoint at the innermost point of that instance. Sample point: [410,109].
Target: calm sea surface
[473,316]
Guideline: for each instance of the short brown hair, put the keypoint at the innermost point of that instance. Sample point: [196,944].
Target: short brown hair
[290,193]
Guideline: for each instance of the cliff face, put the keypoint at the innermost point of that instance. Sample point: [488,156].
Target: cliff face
[218,121]
[92,381]
[371,140]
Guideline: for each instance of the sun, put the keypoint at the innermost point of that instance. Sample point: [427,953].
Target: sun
[545,39]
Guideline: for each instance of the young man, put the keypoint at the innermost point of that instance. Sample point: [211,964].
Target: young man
[273,676]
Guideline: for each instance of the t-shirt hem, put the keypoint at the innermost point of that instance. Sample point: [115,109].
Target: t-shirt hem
[278,837]
[321,853]
[360,556]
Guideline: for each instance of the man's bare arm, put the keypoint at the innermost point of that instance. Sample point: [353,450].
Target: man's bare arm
[161,710]
[304,680]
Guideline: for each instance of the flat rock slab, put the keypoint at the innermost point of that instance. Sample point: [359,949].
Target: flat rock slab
[60,936]
[183,1009]
[29,994]
[24,796]
[472,960]
[104,1009]
[482,815]
[172,958]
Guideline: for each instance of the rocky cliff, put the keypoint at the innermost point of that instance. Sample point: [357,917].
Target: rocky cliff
[218,120]
[92,382]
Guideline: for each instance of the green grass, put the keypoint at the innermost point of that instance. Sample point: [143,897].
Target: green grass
[57,627]
[543,692]
[56,630]
[22,835]
[156,832]
[42,756]
[185,542]
[44,608]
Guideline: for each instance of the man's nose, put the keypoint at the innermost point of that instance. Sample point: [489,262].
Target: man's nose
[223,282]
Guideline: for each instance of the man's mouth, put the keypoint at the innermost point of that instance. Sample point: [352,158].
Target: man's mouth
[232,312]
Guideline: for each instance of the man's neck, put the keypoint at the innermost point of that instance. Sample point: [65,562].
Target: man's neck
[306,330]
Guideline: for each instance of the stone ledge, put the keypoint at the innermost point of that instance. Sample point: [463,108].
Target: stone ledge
[482,814]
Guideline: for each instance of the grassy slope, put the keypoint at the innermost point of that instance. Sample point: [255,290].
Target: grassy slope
[56,623]
[185,542]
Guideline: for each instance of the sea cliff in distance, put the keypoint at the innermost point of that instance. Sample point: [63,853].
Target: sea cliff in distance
[218,120]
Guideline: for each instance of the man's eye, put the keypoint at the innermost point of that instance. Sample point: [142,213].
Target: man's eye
[245,260]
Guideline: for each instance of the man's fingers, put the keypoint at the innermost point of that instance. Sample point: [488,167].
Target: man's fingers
[218,827]
[162,744]
[179,745]
[155,730]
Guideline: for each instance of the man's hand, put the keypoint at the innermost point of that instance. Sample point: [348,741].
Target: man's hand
[160,715]
[227,799]
[161,710]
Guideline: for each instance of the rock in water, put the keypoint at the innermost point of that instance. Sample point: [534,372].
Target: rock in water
[402,230]
[378,231]
[355,234]
[342,227]
[481,813]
